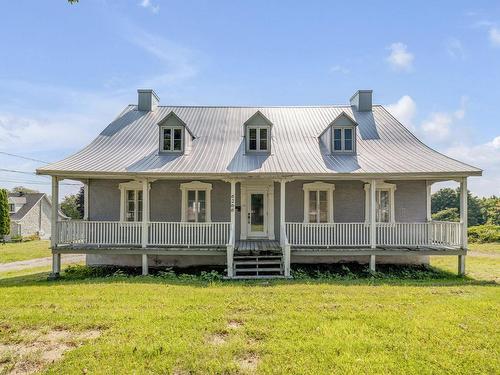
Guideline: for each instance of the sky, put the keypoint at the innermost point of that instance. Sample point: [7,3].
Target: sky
[67,70]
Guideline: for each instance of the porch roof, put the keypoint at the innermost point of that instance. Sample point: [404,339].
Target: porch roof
[129,145]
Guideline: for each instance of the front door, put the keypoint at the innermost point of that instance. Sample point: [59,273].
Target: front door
[257,214]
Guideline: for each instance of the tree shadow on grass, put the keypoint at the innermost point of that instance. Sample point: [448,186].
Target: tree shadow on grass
[352,274]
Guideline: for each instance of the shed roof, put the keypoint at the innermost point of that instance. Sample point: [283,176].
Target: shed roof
[384,146]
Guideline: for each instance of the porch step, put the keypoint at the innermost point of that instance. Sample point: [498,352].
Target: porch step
[257,266]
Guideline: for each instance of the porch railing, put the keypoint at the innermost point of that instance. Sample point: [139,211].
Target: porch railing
[118,233]
[195,234]
[387,234]
[328,234]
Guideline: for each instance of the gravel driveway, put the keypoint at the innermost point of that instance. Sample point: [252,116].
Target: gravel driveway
[40,262]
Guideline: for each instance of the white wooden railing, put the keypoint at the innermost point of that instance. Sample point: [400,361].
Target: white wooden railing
[446,233]
[328,234]
[387,234]
[191,234]
[99,232]
[130,233]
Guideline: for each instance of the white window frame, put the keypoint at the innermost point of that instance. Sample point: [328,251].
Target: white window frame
[197,186]
[162,138]
[342,139]
[258,128]
[318,186]
[381,186]
[124,187]
[12,208]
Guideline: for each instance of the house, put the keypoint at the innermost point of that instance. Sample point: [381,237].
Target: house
[30,214]
[258,188]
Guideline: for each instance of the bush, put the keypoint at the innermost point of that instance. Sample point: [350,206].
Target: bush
[484,233]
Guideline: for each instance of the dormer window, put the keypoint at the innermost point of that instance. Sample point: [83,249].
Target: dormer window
[258,133]
[175,136]
[258,138]
[12,208]
[171,138]
[340,136]
[343,139]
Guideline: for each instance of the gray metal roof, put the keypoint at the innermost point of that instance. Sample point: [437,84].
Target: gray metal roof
[130,145]
[31,200]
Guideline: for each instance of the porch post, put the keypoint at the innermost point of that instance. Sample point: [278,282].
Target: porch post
[463,222]
[283,240]
[428,201]
[86,200]
[373,229]
[54,233]
[145,224]
[232,229]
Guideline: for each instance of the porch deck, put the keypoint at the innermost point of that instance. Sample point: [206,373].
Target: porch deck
[257,246]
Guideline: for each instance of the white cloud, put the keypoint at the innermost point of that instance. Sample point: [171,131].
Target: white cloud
[485,156]
[399,58]
[438,126]
[339,69]
[149,5]
[404,110]
[455,49]
[178,61]
[495,36]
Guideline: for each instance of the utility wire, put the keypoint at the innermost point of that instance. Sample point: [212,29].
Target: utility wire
[23,157]
[24,172]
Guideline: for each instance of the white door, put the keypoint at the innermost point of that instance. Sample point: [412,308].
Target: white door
[257,214]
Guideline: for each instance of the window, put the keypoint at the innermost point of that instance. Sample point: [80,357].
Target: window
[131,202]
[196,202]
[383,206]
[12,208]
[171,139]
[258,138]
[384,202]
[318,202]
[318,206]
[343,140]
[197,206]
[134,205]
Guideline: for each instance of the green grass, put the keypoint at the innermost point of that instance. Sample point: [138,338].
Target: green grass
[482,263]
[12,252]
[369,326]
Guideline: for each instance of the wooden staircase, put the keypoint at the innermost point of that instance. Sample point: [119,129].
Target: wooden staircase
[258,267]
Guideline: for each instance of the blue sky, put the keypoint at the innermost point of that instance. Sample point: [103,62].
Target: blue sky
[67,70]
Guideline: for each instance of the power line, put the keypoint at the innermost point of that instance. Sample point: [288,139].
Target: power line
[23,172]
[23,157]
[35,182]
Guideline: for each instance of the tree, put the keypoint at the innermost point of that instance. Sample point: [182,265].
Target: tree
[4,214]
[22,189]
[448,214]
[447,198]
[69,207]
[80,202]
[490,208]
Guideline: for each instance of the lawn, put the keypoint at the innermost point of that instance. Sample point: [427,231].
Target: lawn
[154,325]
[12,252]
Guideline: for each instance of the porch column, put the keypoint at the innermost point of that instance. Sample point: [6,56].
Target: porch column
[373,229]
[428,216]
[54,234]
[283,240]
[55,212]
[145,224]
[232,231]
[86,200]
[463,223]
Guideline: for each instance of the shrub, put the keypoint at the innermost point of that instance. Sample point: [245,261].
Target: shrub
[484,233]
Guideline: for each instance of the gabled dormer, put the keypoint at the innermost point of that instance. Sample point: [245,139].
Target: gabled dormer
[340,136]
[175,136]
[257,133]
